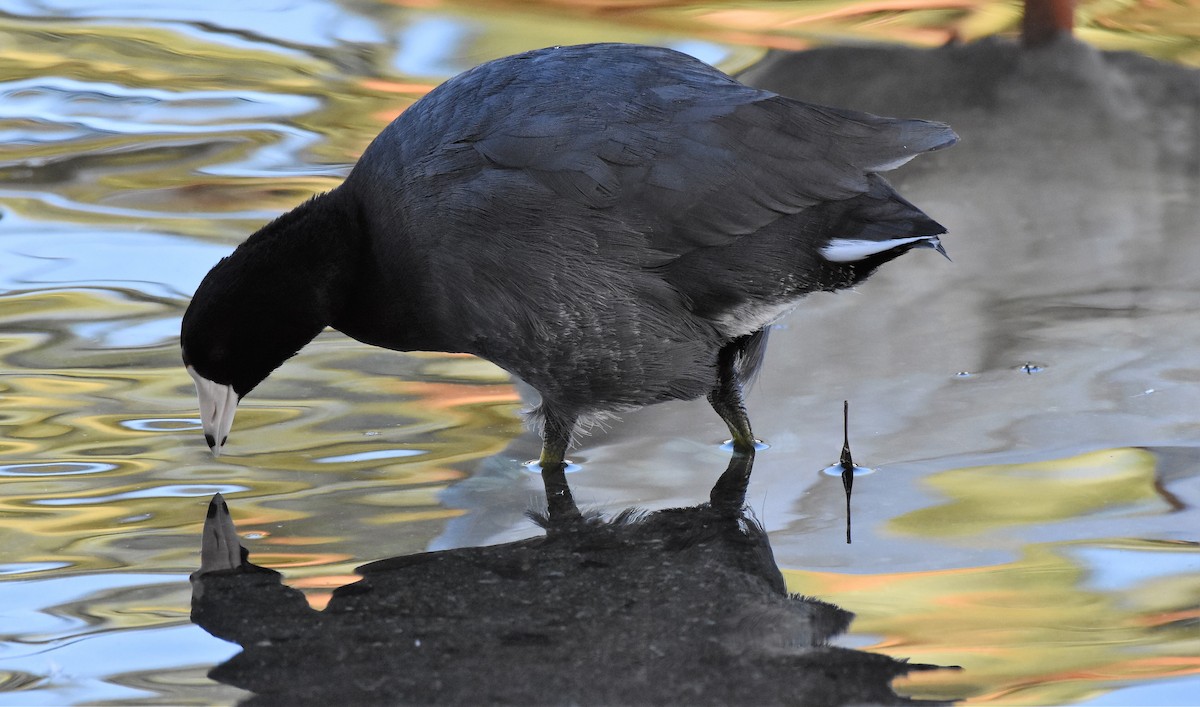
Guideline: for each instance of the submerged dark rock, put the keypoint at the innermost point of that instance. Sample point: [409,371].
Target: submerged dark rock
[683,605]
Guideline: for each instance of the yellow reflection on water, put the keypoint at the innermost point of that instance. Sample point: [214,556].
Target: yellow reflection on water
[1064,621]
[1032,626]
[988,498]
[106,468]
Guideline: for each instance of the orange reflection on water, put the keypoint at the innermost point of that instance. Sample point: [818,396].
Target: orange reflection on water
[1035,626]
[412,516]
[318,589]
[289,560]
[1168,30]
[892,16]
[383,85]
[445,396]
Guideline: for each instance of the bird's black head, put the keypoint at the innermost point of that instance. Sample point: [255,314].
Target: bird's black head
[270,297]
[259,306]
[229,337]
[225,348]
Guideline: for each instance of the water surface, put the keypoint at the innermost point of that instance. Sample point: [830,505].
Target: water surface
[1033,523]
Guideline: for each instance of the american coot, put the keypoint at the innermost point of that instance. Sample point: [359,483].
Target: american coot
[615,224]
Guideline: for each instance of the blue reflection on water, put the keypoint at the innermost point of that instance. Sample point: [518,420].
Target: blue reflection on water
[110,107]
[121,335]
[706,52]
[72,661]
[371,456]
[162,424]
[271,25]
[1162,692]
[836,470]
[57,468]
[40,256]
[70,655]
[15,568]
[533,466]
[431,47]
[1114,569]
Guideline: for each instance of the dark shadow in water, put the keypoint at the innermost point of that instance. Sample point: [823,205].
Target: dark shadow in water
[683,605]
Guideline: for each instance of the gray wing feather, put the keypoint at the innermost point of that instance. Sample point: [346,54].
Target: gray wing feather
[662,142]
[693,173]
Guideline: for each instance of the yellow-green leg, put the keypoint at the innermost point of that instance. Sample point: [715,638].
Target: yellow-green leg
[556,437]
[726,399]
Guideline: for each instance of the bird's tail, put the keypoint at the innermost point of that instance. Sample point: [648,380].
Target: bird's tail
[877,144]
[879,225]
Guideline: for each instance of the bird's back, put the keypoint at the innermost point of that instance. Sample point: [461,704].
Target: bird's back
[556,210]
[665,143]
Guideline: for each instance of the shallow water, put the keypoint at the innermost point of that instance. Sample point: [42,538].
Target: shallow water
[1034,524]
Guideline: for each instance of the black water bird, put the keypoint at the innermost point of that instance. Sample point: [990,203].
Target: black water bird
[615,224]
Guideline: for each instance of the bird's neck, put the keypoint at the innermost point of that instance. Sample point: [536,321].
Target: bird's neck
[302,264]
[390,300]
[354,274]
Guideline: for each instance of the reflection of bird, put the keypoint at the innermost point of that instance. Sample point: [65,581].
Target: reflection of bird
[614,224]
[681,605]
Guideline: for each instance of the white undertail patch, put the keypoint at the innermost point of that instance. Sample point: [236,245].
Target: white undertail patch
[849,250]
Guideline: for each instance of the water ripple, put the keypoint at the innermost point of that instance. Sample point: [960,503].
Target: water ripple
[162,424]
[104,259]
[272,25]
[18,568]
[166,491]
[113,106]
[371,456]
[57,468]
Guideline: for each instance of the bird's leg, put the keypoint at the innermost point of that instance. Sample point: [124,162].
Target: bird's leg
[726,399]
[556,437]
